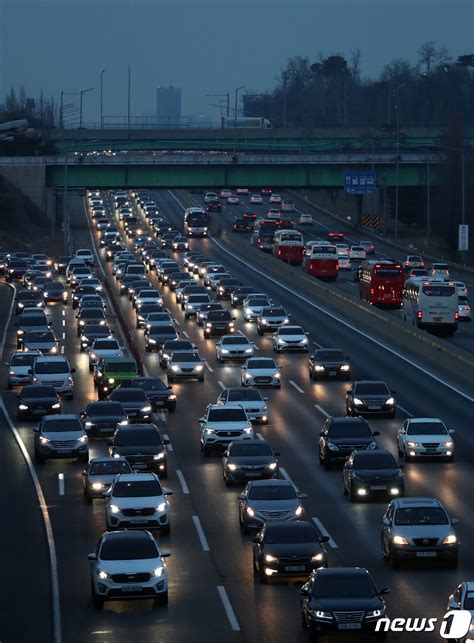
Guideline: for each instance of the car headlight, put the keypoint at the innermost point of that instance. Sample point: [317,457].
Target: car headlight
[357,401]
[45,294]
[277,375]
[81,322]
[248,430]
[113,508]
[44,440]
[151,340]
[146,409]
[413,444]
[111,380]
[248,311]
[450,540]
[319,368]
[232,467]
[158,571]
[83,439]
[20,332]
[270,559]
[248,376]
[272,466]
[93,356]
[319,614]
[399,540]
[390,401]
[172,397]
[304,340]
[22,407]
[175,368]
[208,325]
[210,431]
[161,507]
[374,614]
[199,367]
[317,558]
[97,486]
[345,367]
[159,456]
[299,510]
[250,511]
[286,320]
[57,405]
[102,575]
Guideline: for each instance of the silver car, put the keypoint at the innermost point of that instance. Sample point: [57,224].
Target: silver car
[290,338]
[264,500]
[43,341]
[100,474]
[194,302]
[19,367]
[253,306]
[419,437]
[184,365]
[233,347]
[260,371]
[250,399]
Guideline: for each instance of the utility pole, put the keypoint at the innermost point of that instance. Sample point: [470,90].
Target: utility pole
[102,99]
[61,110]
[284,99]
[428,199]
[82,92]
[129,100]
[235,117]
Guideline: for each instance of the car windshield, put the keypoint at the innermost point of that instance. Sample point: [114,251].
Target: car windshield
[129,395]
[227,415]
[178,345]
[235,340]
[137,489]
[23,359]
[163,330]
[158,316]
[59,425]
[349,430]
[375,461]
[38,391]
[92,313]
[426,428]
[343,585]
[106,345]
[33,320]
[121,367]
[250,450]
[29,295]
[46,367]
[371,388]
[109,468]
[335,355]
[421,516]
[187,357]
[274,312]
[469,601]
[245,395]
[219,315]
[105,408]
[152,385]
[258,301]
[272,492]
[261,363]
[290,534]
[45,337]
[198,299]
[138,437]
[292,330]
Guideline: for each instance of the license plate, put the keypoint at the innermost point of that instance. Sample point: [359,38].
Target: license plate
[332,373]
[106,430]
[431,451]
[437,319]
[138,521]
[295,568]
[139,466]
[132,588]
[378,487]
[426,554]
[349,626]
[374,408]
[63,450]
[252,474]
[39,409]
[159,403]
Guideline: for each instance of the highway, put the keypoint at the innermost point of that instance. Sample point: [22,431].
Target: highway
[214,596]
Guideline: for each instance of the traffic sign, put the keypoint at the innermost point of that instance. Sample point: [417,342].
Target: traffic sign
[360,182]
[463,239]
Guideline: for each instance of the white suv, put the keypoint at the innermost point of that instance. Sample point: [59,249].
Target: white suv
[86,255]
[223,424]
[56,371]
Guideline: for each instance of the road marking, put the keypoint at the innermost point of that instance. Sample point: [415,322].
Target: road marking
[162,416]
[62,350]
[61,483]
[222,385]
[168,446]
[260,436]
[229,610]
[284,473]
[209,368]
[321,410]
[64,335]
[410,415]
[201,534]
[316,344]
[182,481]
[324,532]
[186,334]
[64,322]
[295,385]
[53,561]
[64,313]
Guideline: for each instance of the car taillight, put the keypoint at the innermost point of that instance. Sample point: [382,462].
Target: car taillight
[456,316]
[372,291]
[420,314]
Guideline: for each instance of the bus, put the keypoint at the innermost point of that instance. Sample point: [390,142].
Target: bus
[381,282]
[288,246]
[431,304]
[262,236]
[196,222]
[322,261]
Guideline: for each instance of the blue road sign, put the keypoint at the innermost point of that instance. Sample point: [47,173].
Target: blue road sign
[360,182]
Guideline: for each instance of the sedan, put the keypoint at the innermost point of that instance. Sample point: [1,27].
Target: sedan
[305,219]
[357,253]
[418,437]
[288,549]
[36,400]
[253,306]
[218,322]
[274,214]
[174,346]
[248,460]
[290,338]
[368,246]
[19,368]
[180,244]
[91,316]
[204,309]
[250,399]
[100,474]
[134,402]
[156,336]
[242,225]
[159,395]
[260,371]
[231,347]
[270,318]
[256,199]
[239,294]
[185,365]
[233,199]
[369,397]
[28,299]
[103,347]
[225,193]
[464,309]
[329,363]
[372,473]
[101,419]
[128,565]
[55,292]
[91,332]
[43,341]
[275,198]
[263,501]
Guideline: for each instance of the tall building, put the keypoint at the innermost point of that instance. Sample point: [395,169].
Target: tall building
[168,105]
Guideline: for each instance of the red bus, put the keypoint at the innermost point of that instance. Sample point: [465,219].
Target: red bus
[381,282]
[288,245]
[322,261]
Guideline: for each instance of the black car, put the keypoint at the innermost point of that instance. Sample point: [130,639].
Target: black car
[143,447]
[90,332]
[218,322]
[239,294]
[338,599]
[372,473]
[369,398]
[158,393]
[174,346]
[157,335]
[28,299]
[242,225]
[329,363]
[341,436]
[204,309]
[249,460]
[91,316]
[55,291]
[134,402]
[145,310]
[16,269]
[176,277]
[61,264]
[226,287]
[214,206]
[36,400]
[288,549]
[80,291]
[102,418]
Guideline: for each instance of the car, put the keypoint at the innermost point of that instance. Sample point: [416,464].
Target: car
[91,332]
[263,501]
[167,239]
[368,246]
[260,371]
[305,219]
[146,296]
[249,216]
[43,341]
[203,310]
[112,372]
[288,550]
[158,393]
[185,366]
[419,437]
[56,371]
[81,292]
[134,402]
[242,190]
[336,599]
[203,266]
[290,338]
[238,295]
[266,191]
[102,223]
[256,199]
[328,363]
[137,500]
[439,270]
[463,599]
[104,347]
[28,299]
[340,436]
[99,475]
[60,436]
[274,214]
[149,312]
[91,316]
[212,281]
[241,225]
[270,318]
[128,564]
[275,198]
[253,459]
[461,288]
[223,424]
[413,261]
[60,264]
[101,419]
[287,205]
[180,243]
[371,474]
[366,397]
[175,278]
[19,368]
[357,253]
[225,193]
[464,309]
[30,320]
[156,335]
[253,306]
[335,235]
[214,206]
[250,399]
[193,302]
[418,528]
[417,272]
[86,255]
[185,287]
[232,347]
[342,250]
[210,196]
[218,322]
[36,400]
[174,346]
[55,292]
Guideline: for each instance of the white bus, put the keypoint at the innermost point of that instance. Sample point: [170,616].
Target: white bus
[431,305]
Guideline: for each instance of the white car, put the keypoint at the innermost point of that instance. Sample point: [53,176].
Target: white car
[210,196]
[128,564]
[305,219]
[147,296]
[342,249]
[260,371]
[225,193]
[242,190]
[439,270]
[233,199]
[253,306]
[357,253]
[425,437]
[223,424]
[274,214]
[464,309]
[19,367]
[137,500]
[86,255]
[288,205]
[290,338]
[103,347]
[56,371]
[250,399]
[461,287]
[233,347]
[256,199]
[275,198]
[344,263]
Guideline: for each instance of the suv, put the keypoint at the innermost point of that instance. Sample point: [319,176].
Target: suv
[113,371]
[218,322]
[270,319]
[413,261]
[61,436]
[340,436]
[56,371]
[224,424]
[142,446]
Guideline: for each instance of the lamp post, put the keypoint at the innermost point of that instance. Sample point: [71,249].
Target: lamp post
[235,117]
[102,99]
[397,186]
[82,92]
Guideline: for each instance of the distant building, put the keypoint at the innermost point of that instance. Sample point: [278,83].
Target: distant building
[168,105]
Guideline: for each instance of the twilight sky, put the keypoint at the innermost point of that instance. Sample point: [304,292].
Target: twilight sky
[206,47]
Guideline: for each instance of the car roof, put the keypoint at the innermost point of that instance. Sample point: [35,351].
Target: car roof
[369,382]
[136,534]
[62,416]
[421,501]
[342,571]
[136,477]
[106,459]
[271,483]
[420,420]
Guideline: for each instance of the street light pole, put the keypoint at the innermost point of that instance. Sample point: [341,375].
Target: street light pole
[129,100]
[82,92]
[235,117]
[102,99]
[428,199]
[463,188]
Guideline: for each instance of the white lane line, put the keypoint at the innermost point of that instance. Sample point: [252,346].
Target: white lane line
[61,483]
[64,335]
[222,385]
[62,350]
[295,385]
[321,410]
[407,413]
[183,483]
[64,313]
[257,347]
[53,561]
[229,610]
[168,446]
[209,368]
[324,532]
[201,534]
[162,416]
[260,436]
[316,344]
[64,322]
[284,473]
[186,334]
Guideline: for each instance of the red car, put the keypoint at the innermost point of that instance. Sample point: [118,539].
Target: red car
[266,191]
[335,236]
[251,216]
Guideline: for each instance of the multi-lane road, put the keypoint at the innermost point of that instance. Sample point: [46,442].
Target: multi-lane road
[214,596]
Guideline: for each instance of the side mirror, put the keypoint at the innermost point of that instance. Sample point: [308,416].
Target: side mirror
[256,541]
[265,399]
[36,429]
[385,521]
[393,392]
[375,433]
[304,591]
[165,554]
[276,454]
[349,391]
[170,388]
[168,492]
[92,556]
[106,493]
[225,454]
[454,521]
[301,496]
[73,370]
[50,323]
[384,590]
[451,431]
[166,441]
[324,539]
[84,473]
[234,318]
[241,497]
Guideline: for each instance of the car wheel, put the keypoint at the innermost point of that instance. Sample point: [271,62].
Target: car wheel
[91,369]
[385,556]
[186,316]
[226,481]
[162,599]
